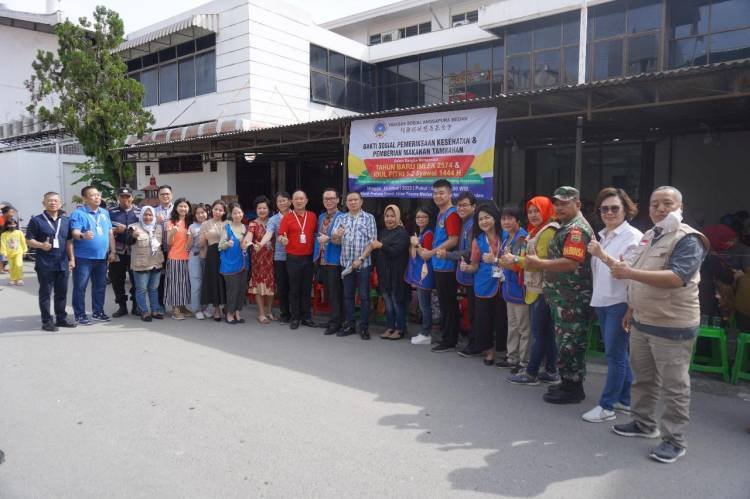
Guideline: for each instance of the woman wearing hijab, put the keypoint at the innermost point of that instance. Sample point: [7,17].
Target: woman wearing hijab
[542,228]
[146,260]
[391,262]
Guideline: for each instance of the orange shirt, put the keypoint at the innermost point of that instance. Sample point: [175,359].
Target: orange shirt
[179,249]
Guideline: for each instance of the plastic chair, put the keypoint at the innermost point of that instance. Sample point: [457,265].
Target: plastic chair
[741,368]
[595,342]
[320,303]
[718,361]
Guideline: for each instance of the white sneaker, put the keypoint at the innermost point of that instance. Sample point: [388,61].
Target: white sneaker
[599,415]
[199,316]
[618,407]
[421,339]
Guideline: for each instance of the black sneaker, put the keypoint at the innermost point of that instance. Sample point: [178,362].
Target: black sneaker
[294,325]
[331,329]
[364,334]
[441,348]
[100,316]
[667,452]
[49,326]
[569,393]
[65,323]
[135,310]
[632,429]
[345,331]
[120,312]
[284,320]
[469,352]
[503,363]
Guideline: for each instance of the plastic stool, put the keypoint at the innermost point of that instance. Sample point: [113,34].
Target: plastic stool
[319,302]
[741,368]
[595,342]
[718,361]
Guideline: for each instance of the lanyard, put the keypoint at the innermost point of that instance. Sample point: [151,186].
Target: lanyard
[301,225]
[59,224]
[97,220]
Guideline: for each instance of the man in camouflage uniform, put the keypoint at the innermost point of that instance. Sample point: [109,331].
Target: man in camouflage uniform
[567,288]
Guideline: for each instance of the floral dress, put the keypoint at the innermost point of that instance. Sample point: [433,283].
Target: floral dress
[261,276]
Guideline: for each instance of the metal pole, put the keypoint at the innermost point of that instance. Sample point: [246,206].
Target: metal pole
[579,152]
[345,163]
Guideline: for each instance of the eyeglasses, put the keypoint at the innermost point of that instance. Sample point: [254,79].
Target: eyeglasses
[330,199]
[609,209]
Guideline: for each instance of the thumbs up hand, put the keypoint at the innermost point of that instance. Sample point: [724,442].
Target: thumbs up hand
[620,269]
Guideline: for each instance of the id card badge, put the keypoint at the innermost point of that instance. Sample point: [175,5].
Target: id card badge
[302,239]
[56,243]
[497,272]
[99,230]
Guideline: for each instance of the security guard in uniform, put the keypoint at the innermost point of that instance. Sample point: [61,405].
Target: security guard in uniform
[567,288]
[123,216]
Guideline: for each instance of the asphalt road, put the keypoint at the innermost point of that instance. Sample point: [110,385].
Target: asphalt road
[200,409]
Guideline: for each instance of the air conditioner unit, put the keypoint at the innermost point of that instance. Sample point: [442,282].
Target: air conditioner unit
[389,36]
[462,22]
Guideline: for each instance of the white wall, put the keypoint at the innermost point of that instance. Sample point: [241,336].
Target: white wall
[197,187]
[18,48]
[28,175]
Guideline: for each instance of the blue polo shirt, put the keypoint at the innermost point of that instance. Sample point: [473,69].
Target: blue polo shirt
[97,222]
[279,251]
[43,229]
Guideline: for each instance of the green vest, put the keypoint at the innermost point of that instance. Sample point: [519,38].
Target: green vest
[562,288]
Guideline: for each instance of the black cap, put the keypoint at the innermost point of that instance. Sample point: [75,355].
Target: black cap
[124,191]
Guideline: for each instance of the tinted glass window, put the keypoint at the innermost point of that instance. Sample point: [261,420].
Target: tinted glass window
[478,85]
[205,73]
[205,42]
[338,92]
[353,95]
[168,83]
[430,68]
[454,88]
[408,71]
[134,64]
[319,87]
[186,78]
[607,59]
[644,15]
[353,69]
[730,46]
[571,28]
[687,52]
[408,94]
[150,82]
[318,58]
[479,59]
[547,33]
[150,59]
[519,72]
[643,54]
[454,64]
[498,56]
[185,48]
[570,55]
[431,92]
[167,54]
[689,17]
[609,20]
[519,40]
[336,63]
[547,69]
[388,74]
[728,14]
[388,97]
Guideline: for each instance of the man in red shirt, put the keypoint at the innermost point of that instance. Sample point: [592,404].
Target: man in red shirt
[447,232]
[297,234]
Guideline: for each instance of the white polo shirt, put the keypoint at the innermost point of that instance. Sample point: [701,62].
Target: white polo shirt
[622,241]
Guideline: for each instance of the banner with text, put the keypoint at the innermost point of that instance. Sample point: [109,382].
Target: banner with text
[401,156]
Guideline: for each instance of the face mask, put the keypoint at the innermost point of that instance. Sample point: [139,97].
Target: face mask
[671,222]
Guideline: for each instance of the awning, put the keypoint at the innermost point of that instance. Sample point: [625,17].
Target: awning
[205,22]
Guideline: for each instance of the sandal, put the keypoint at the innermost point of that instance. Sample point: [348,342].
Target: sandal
[263,319]
[397,335]
[387,334]
[271,317]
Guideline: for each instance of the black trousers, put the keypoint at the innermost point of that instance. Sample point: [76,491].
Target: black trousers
[300,270]
[281,278]
[117,272]
[491,326]
[447,292]
[56,280]
[330,277]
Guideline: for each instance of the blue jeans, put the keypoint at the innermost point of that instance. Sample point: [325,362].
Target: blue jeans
[87,269]
[357,281]
[543,344]
[616,340]
[195,269]
[424,296]
[395,312]
[147,285]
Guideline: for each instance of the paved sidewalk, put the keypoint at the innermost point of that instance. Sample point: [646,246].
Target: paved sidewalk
[202,409]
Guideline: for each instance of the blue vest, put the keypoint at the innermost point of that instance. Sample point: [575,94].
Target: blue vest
[485,286]
[463,244]
[414,269]
[513,290]
[442,264]
[333,251]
